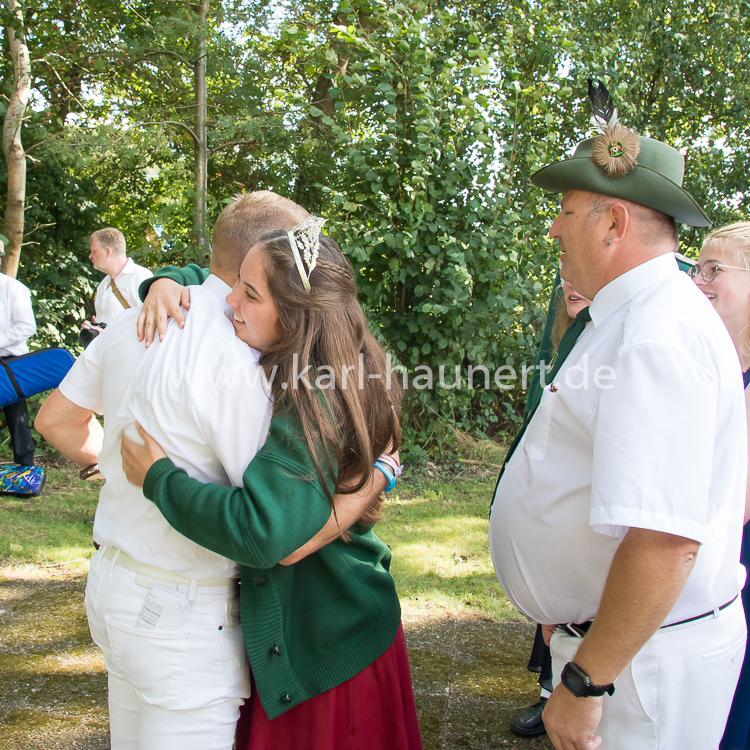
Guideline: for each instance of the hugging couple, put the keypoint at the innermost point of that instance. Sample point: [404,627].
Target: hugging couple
[218,478]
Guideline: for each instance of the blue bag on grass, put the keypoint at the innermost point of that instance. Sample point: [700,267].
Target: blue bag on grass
[21,481]
[32,373]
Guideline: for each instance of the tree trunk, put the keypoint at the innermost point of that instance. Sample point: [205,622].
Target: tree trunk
[200,230]
[12,146]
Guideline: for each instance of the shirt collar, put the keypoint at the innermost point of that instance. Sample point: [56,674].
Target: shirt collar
[622,289]
[127,268]
[218,290]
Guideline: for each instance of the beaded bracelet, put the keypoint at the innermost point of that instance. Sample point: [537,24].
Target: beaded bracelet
[387,458]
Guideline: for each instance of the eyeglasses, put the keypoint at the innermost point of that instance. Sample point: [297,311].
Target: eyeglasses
[710,269]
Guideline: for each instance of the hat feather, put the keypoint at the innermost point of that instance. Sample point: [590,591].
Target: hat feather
[604,112]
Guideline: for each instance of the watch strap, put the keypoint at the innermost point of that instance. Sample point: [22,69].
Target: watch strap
[577,680]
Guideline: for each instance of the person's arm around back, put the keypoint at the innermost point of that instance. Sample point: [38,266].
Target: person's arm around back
[236,428]
[347,510]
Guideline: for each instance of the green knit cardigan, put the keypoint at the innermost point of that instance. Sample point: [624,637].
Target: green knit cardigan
[307,627]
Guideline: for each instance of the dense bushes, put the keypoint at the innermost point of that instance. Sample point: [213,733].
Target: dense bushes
[413,126]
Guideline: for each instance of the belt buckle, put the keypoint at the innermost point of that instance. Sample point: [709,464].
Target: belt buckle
[572,629]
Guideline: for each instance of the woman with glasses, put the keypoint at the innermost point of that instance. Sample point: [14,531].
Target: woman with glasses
[723,275]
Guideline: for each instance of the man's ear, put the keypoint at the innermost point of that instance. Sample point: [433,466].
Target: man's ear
[619,221]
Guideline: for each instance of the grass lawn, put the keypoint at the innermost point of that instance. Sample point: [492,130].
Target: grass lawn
[468,646]
[438,532]
[52,529]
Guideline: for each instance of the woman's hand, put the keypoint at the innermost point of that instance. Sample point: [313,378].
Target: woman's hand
[138,458]
[165,299]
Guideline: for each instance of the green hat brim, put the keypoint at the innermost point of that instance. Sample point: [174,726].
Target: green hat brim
[641,185]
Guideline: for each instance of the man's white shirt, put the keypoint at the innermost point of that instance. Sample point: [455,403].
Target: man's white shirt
[664,448]
[107,307]
[200,393]
[17,322]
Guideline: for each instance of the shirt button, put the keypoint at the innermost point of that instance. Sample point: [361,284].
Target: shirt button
[260,580]
[275,650]
[286,698]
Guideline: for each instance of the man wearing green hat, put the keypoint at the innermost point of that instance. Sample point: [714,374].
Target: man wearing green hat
[617,518]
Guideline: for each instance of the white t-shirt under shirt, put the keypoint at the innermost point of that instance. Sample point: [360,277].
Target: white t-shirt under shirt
[107,307]
[203,397]
[664,449]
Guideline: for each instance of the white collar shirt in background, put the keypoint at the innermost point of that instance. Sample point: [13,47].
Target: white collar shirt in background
[201,393]
[107,307]
[664,448]
[17,322]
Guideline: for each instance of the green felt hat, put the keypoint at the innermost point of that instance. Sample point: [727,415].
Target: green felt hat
[654,181]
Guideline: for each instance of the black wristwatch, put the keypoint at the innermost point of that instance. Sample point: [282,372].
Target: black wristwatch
[579,683]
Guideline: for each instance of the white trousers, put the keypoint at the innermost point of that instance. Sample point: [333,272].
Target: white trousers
[677,691]
[177,671]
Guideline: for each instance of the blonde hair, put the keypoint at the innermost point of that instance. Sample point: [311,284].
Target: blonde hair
[247,218]
[111,238]
[734,239]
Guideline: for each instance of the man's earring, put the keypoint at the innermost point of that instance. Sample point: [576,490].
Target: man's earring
[609,241]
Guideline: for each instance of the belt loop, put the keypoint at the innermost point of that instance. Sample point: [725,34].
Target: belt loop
[716,612]
[193,590]
[113,561]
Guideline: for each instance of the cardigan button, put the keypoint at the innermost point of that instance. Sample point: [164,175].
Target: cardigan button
[275,650]
[260,580]
[286,698]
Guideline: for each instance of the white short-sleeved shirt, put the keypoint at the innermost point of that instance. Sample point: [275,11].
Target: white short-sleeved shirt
[664,448]
[17,322]
[202,395]
[107,307]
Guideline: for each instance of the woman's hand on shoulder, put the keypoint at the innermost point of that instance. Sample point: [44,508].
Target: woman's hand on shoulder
[165,299]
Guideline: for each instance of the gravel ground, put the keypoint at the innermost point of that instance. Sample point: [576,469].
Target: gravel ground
[469,674]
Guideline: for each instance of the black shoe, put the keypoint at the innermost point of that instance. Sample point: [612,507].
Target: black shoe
[528,721]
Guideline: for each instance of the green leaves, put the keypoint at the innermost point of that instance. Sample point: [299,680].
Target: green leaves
[413,126]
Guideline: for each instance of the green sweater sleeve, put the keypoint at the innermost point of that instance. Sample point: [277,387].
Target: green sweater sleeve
[190,275]
[280,506]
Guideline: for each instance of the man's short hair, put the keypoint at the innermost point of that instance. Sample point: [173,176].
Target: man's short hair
[245,220]
[110,238]
[660,226]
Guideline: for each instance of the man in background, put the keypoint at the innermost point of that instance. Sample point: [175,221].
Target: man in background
[17,325]
[118,290]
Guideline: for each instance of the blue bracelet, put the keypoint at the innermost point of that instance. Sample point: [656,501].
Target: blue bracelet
[388,473]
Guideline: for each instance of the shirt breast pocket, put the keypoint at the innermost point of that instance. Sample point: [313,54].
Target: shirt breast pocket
[537,434]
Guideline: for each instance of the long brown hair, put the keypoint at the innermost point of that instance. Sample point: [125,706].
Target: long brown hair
[350,414]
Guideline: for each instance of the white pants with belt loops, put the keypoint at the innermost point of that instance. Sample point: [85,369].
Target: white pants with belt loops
[677,691]
[177,671]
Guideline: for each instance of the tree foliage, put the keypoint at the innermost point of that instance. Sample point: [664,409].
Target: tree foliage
[413,126]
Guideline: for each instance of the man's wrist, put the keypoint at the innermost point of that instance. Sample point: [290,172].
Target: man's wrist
[577,681]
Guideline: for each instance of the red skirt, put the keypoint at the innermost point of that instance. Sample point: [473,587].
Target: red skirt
[374,710]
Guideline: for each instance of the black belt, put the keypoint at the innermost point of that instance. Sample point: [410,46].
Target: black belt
[579,629]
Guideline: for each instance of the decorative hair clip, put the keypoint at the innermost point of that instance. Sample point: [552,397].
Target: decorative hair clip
[305,242]
[616,150]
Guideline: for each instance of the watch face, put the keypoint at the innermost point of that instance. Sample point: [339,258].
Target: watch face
[574,680]
[579,683]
